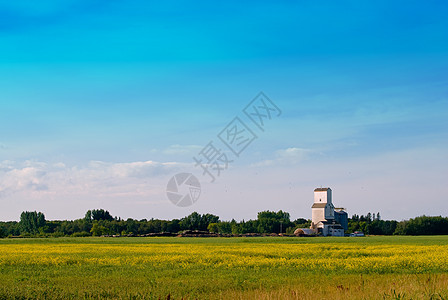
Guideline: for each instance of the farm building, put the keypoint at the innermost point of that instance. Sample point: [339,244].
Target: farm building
[325,218]
[341,217]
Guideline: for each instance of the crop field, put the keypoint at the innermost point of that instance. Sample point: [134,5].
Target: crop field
[397,267]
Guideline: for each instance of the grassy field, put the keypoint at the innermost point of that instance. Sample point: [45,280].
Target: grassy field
[396,267]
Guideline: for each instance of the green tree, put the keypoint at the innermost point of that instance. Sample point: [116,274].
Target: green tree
[173,225]
[213,227]
[236,229]
[197,221]
[97,229]
[225,227]
[423,225]
[131,226]
[272,222]
[31,221]
[88,216]
[101,214]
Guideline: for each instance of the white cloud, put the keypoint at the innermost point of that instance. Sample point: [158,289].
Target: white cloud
[140,169]
[59,165]
[20,179]
[286,156]
[293,155]
[182,149]
[97,177]
[6,165]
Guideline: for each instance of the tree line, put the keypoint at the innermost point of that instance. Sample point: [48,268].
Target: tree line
[99,222]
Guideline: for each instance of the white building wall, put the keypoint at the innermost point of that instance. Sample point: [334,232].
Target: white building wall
[322,196]
[318,214]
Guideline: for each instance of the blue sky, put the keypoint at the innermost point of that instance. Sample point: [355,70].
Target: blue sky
[97,97]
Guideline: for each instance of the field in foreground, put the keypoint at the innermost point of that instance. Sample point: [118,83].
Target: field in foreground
[225,268]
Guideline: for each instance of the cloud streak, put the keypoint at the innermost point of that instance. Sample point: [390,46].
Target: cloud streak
[288,156]
[97,177]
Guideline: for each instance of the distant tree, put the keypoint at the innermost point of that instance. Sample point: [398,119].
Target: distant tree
[101,214]
[88,216]
[131,226]
[173,225]
[300,221]
[206,219]
[423,225]
[235,228]
[280,215]
[272,222]
[249,226]
[97,229]
[225,227]
[31,221]
[213,227]
[190,222]
[197,221]
[380,227]
[355,218]
[371,224]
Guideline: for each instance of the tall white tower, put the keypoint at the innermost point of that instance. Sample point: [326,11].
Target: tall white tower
[322,195]
[322,209]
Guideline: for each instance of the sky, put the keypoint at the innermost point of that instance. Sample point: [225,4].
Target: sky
[102,102]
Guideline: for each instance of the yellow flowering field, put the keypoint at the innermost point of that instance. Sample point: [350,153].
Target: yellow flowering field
[151,268]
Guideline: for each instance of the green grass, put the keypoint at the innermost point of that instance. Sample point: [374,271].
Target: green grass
[369,240]
[226,268]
